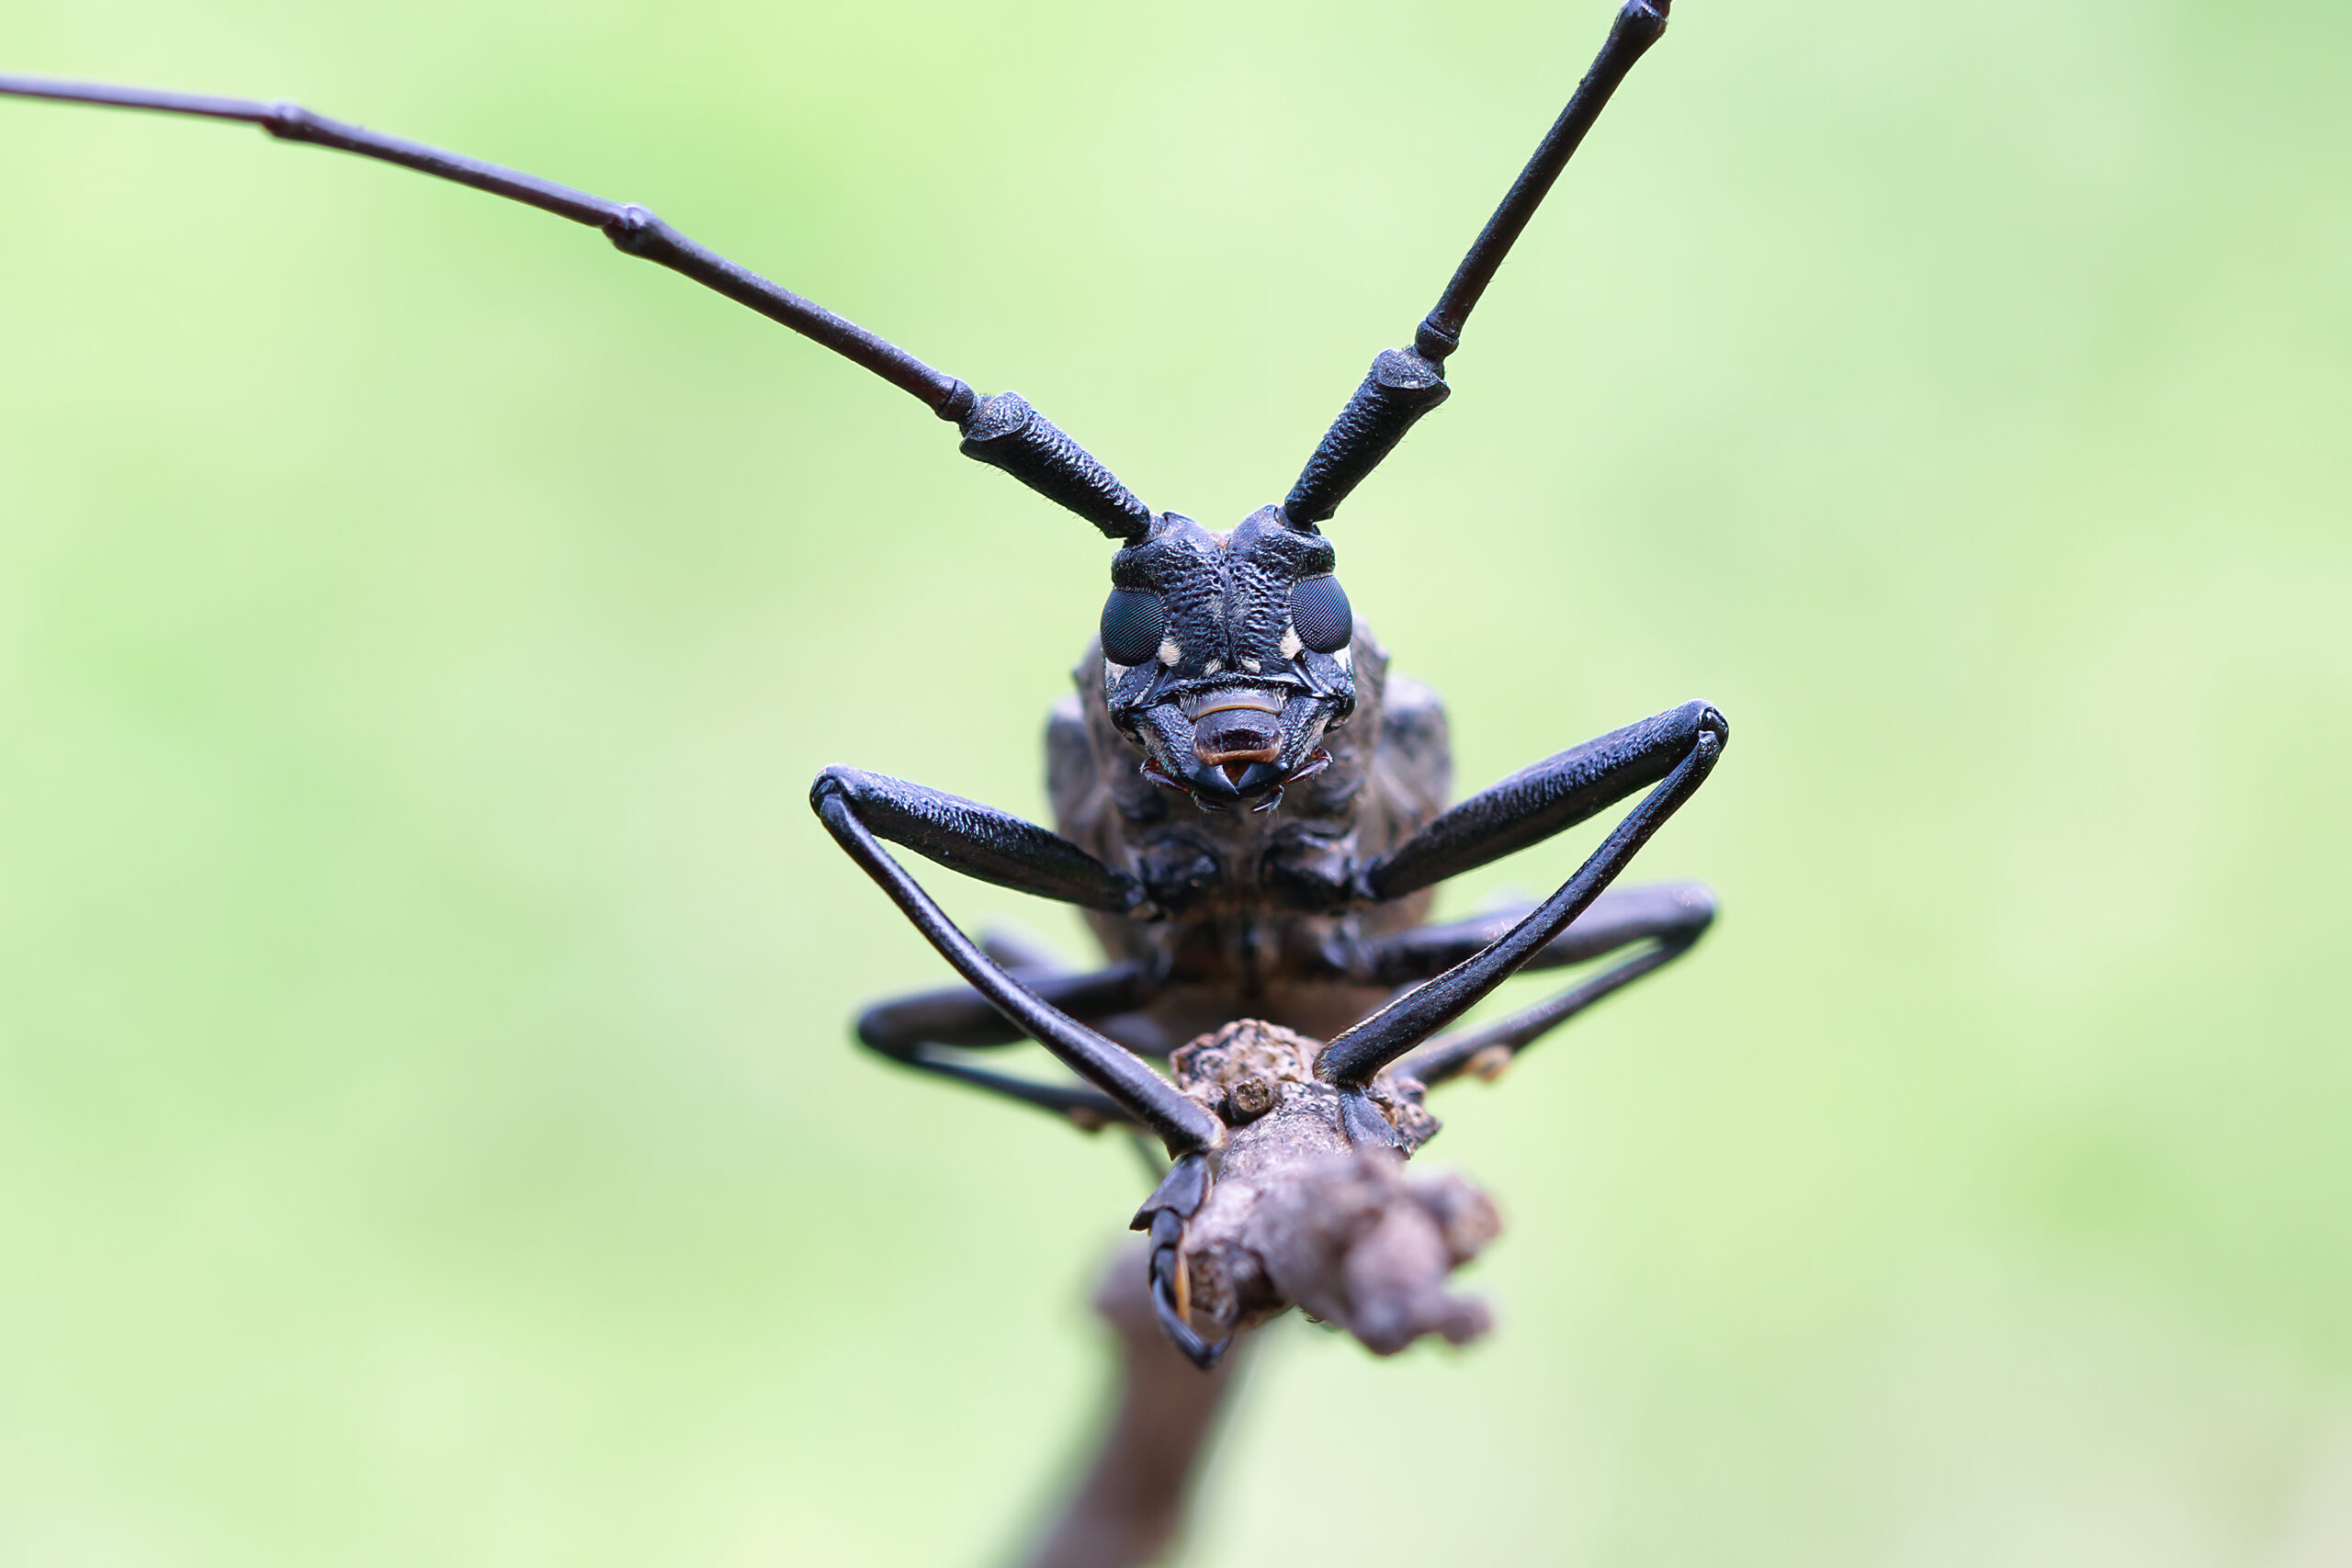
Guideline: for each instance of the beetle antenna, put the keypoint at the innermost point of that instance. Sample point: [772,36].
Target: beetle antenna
[1002,431]
[1406,383]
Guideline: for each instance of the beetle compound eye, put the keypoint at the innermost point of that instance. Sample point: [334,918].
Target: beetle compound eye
[1133,624]
[1318,608]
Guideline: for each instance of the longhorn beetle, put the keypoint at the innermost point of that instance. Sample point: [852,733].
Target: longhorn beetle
[1251,808]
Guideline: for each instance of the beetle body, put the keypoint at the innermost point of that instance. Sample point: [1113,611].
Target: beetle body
[1252,809]
[1234,942]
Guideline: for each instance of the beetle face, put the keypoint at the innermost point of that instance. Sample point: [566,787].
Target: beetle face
[1226,656]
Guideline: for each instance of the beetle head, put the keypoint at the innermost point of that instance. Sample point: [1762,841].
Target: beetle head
[1226,656]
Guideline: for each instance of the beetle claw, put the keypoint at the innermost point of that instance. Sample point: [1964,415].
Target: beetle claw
[1171,1304]
[1163,1217]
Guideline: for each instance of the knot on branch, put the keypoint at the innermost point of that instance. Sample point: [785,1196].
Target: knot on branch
[1299,1216]
[1249,1068]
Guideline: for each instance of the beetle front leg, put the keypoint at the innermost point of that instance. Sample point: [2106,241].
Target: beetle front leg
[1143,1095]
[1540,801]
[1192,1136]
[981,841]
[1536,803]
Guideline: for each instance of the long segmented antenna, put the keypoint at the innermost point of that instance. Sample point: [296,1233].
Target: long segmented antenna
[1406,383]
[1002,431]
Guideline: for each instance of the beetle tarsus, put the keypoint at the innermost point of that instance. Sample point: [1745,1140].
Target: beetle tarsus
[1165,1215]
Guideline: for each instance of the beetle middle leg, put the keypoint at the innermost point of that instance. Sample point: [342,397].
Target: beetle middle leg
[1666,918]
[915,1030]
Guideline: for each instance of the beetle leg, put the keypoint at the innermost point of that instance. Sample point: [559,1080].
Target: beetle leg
[1535,802]
[1656,911]
[1183,1126]
[980,841]
[1603,770]
[1488,1049]
[1164,1217]
[1666,920]
[922,1030]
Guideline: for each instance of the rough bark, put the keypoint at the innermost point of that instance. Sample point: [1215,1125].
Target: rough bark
[1300,1216]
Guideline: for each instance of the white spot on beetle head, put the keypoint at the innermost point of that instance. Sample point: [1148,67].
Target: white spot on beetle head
[1214,666]
[1250,665]
[1169,652]
[1292,647]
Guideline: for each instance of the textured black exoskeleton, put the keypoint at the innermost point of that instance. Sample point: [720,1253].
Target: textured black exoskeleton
[1252,810]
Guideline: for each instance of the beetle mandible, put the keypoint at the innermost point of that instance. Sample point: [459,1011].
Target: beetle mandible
[1251,808]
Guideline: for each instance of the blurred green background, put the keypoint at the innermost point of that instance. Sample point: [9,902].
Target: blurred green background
[428,1131]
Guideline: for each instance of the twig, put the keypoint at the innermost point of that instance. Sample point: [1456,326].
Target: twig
[1304,1215]
[1128,1507]
[1298,1217]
